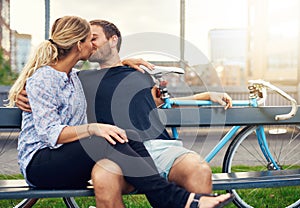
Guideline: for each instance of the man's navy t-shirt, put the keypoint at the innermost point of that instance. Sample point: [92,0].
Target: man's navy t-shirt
[122,96]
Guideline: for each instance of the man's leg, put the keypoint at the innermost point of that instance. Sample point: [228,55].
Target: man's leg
[180,165]
[192,173]
[109,184]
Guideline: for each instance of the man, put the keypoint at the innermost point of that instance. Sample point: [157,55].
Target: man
[119,95]
[124,98]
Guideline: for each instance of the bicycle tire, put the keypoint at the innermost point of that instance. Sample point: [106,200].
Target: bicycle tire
[284,143]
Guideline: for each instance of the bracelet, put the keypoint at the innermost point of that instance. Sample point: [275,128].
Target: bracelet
[88,129]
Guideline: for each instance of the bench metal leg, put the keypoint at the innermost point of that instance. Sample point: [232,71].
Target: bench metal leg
[26,203]
[70,202]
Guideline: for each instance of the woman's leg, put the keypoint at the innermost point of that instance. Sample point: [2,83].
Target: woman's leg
[139,170]
[109,184]
[71,166]
[67,166]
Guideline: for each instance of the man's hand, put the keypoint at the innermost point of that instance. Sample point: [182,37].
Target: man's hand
[23,102]
[157,96]
[135,63]
[221,98]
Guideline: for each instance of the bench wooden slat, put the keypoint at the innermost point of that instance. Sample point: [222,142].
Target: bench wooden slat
[18,189]
[263,179]
[23,193]
[10,117]
[217,116]
[204,116]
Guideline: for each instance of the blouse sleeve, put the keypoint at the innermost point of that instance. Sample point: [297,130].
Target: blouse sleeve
[42,97]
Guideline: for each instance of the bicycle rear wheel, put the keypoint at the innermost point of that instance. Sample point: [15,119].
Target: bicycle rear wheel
[244,155]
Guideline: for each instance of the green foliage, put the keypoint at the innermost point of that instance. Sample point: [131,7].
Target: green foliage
[7,77]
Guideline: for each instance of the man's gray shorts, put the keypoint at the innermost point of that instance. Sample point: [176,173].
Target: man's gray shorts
[164,153]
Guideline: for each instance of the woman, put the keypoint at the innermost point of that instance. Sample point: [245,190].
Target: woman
[56,145]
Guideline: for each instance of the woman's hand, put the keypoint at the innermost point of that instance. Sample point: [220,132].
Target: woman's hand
[136,62]
[109,132]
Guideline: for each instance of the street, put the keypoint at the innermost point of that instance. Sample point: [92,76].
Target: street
[201,140]
[199,143]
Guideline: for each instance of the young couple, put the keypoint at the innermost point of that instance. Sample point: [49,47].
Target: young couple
[95,124]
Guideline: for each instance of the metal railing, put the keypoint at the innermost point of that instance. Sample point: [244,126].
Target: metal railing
[236,92]
[240,93]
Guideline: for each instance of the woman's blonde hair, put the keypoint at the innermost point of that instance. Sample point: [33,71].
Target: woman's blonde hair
[65,33]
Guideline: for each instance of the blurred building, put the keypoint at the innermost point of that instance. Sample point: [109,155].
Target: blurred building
[16,47]
[5,27]
[20,50]
[273,47]
[228,52]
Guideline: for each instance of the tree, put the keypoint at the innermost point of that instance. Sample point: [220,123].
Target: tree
[7,77]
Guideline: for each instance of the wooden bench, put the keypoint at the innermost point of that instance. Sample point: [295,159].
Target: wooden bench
[18,189]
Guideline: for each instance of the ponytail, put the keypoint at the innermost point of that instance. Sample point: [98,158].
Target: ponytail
[46,53]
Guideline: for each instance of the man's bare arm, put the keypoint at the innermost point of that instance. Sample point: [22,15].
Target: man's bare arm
[219,97]
[23,102]
[135,63]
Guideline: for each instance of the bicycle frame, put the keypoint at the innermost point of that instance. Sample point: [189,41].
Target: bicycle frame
[264,149]
[252,102]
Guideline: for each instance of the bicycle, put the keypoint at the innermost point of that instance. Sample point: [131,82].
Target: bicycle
[270,152]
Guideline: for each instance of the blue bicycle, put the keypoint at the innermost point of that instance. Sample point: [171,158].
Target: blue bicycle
[252,148]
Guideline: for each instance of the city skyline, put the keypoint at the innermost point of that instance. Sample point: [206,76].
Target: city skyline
[271,40]
[136,16]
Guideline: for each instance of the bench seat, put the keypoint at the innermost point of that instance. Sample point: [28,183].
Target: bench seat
[263,179]
[18,189]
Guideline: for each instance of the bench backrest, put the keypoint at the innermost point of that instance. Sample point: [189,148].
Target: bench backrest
[12,117]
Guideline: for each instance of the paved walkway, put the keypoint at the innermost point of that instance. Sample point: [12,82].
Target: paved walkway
[204,143]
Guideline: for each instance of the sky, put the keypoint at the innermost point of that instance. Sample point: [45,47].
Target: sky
[134,17]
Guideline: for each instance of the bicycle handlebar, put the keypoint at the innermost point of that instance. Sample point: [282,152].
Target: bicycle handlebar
[283,94]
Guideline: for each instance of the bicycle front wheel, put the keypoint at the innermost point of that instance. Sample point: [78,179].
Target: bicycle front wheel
[244,155]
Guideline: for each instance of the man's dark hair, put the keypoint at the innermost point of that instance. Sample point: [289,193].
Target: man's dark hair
[109,30]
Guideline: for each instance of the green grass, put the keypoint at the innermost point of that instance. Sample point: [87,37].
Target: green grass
[266,197]
[131,201]
[6,177]
[269,197]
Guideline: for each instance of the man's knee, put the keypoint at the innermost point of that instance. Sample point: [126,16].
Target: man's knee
[198,166]
[192,173]
[191,166]
[200,171]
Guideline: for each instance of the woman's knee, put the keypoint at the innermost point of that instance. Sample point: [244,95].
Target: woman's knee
[105,172]
[107,177]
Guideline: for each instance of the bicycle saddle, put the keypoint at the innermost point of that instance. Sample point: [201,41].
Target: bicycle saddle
[163,70]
